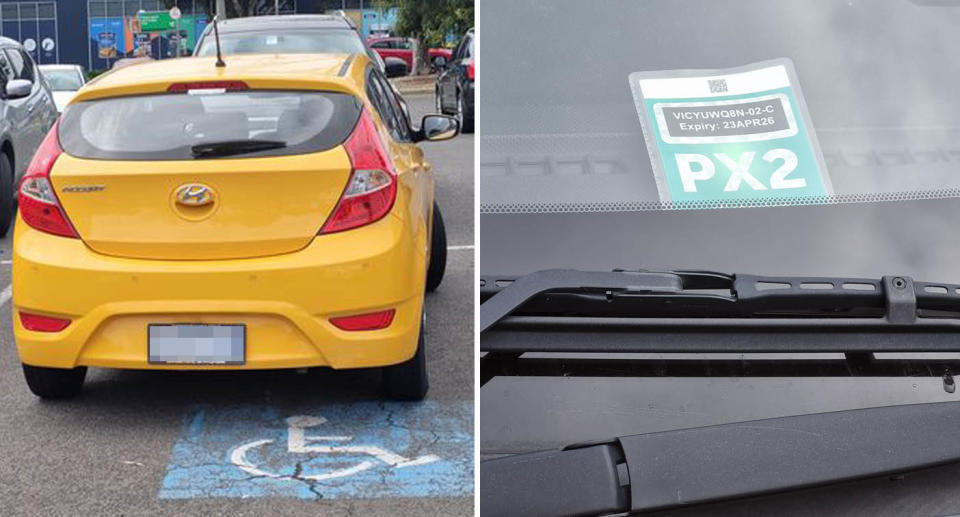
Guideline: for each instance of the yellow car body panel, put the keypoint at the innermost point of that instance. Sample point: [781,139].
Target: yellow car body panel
[328,72]
[141,218]
[288,284]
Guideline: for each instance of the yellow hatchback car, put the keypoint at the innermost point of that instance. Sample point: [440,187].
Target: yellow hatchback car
[272,213]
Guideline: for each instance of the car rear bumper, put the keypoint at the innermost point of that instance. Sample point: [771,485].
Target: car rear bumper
[285,301]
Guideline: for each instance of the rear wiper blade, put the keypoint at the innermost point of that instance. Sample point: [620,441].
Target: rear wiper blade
[646,294]
[670,469]
[234,147]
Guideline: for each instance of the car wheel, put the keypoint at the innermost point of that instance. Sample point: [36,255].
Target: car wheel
[466,121]
[6,194]
[438,251]
[407,380]
[54,383]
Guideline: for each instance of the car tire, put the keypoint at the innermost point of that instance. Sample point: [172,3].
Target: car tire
[407,380]
[438,251]
[466,120]
[54,383]
[7,209]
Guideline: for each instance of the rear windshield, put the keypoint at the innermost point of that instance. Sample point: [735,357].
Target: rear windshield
[63,80]
[328,41]
[171,126]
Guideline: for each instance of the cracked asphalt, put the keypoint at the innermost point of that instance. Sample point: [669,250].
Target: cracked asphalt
[107,452]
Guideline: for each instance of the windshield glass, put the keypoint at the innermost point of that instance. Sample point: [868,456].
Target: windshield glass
[63,80]
[864,109]
[330,41]
[170,126]
[571,152]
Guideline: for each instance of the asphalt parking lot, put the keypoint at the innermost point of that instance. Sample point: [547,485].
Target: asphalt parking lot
[172,443]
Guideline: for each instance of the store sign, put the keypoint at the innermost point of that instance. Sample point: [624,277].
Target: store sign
[156,21]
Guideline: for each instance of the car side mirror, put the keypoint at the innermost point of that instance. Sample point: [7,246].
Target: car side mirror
[18,88]
[396,67]
[435,128]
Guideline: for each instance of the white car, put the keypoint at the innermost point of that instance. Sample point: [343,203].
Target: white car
[64,81]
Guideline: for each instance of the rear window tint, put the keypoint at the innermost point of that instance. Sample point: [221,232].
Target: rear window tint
[168,126]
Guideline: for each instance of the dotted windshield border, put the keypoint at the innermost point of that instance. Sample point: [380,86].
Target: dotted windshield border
[645,206]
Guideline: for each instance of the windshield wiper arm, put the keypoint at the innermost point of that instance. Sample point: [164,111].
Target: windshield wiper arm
[234,147]
[699,294]
[526,287]
[669,469]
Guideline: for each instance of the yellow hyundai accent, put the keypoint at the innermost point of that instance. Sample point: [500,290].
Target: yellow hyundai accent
[271,213]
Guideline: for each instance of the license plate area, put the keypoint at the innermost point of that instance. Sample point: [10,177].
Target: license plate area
[196,343]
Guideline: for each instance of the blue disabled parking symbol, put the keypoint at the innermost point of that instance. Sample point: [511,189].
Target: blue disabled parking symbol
[364,450]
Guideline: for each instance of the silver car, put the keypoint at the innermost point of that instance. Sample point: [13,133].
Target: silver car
[64,81]
[27,112]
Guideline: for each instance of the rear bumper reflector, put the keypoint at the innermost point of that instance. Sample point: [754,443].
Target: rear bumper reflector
[369,321]
[38,323]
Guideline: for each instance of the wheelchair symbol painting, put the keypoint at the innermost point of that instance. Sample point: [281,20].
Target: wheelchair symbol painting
[361,450]
[299,443]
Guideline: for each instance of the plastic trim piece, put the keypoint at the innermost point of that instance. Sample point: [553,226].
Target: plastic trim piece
[582,481]
[518,334]
[706,464]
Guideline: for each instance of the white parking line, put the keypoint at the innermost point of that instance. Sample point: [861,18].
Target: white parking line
[6,262]
[5,295]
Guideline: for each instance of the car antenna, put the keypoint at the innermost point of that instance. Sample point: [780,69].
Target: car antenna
[216,37]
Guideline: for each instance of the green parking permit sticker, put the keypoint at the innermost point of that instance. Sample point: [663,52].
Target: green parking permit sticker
[734,137]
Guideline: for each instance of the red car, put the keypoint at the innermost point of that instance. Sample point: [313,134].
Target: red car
[403,48]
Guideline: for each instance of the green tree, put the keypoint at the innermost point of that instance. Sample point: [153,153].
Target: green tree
[429,22]
[241,8]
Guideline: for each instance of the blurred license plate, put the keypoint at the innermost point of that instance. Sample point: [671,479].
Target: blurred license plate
[196,344]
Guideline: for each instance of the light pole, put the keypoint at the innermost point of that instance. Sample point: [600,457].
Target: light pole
[179,42]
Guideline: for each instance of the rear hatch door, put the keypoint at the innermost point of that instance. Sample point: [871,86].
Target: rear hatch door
[216,175]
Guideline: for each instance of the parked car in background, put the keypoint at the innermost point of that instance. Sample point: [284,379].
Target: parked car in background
[64,81]
[403,48]
[454,89]
[291,34]
[275,213]
[27,111]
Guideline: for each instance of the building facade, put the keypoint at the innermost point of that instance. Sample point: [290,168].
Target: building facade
[95,33]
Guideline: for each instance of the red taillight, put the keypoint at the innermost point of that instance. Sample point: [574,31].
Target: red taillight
[470,70]
[39,206]
[227,86]
[370,321]
[38,323]
[372,187]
